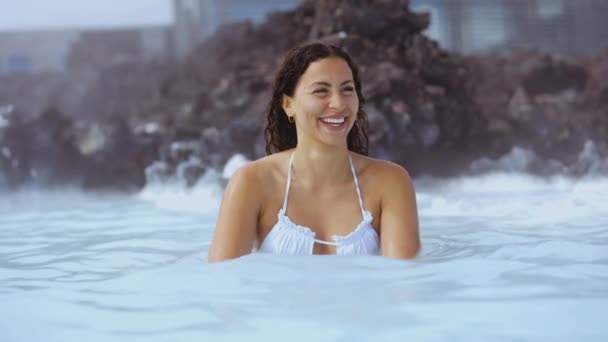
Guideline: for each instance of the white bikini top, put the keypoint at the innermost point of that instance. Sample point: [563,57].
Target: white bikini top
[287,237]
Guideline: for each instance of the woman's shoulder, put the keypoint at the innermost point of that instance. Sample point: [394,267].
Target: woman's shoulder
[382,173]
[262,172]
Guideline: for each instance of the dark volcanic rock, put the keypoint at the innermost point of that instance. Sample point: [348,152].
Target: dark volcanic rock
[420,112]
[548,104]
[432,111]
[52,150]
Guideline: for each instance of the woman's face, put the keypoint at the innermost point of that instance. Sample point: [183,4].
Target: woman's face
[324,103]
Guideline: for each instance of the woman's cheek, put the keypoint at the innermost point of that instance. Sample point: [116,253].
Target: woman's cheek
[354,105]
[314,107]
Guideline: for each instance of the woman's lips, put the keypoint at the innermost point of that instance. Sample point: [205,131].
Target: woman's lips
[336,125]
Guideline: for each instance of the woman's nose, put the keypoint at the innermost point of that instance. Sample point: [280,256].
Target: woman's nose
[336,101]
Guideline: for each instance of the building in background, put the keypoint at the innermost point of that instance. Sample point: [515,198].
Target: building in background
[37,51]
[195,20]
[58,50]
[102,48]
[570,27]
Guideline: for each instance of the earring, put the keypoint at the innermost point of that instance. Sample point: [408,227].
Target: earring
[291,119]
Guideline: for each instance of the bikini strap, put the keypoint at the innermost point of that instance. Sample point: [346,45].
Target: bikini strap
[288,184]
[352,168]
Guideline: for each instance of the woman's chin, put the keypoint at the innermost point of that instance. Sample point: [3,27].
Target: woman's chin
[334,140]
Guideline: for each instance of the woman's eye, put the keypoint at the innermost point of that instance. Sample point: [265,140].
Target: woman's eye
[348,89]
[320,91]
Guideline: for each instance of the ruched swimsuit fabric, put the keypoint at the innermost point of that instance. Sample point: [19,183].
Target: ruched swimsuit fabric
[288,237]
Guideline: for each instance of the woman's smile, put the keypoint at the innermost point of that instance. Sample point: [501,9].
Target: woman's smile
[334,123]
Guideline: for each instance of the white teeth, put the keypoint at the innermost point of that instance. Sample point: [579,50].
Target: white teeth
[333,121]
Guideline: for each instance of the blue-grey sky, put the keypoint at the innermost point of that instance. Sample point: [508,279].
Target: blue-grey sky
[51,14]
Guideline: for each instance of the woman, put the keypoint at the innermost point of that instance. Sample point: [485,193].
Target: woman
[317,192]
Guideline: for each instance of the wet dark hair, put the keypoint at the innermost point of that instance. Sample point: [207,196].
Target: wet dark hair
[280,134]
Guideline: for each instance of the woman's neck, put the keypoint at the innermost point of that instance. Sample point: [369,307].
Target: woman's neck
[316,167]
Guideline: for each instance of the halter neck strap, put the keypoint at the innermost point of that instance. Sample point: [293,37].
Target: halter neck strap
[288,183]
[352,168]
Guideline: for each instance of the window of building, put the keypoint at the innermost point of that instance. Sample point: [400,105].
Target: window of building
[19,63]
[484,27]
[548,9]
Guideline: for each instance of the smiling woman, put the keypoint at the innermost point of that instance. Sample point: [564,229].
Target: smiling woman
[343,201]
[321,111]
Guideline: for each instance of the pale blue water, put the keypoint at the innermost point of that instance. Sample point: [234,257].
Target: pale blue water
[505,258]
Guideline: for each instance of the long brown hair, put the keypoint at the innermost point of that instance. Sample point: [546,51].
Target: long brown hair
[280,134]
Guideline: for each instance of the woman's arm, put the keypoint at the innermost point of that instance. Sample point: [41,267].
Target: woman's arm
[399,235]
[236,228]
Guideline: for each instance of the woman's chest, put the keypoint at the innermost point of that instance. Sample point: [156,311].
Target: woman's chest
[331,212]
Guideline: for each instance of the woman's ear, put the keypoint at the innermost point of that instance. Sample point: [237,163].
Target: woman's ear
[286,104]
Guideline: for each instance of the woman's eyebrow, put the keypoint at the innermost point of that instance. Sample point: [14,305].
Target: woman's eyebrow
[326,84]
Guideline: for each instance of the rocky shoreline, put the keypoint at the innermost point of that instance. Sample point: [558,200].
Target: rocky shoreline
[433,111]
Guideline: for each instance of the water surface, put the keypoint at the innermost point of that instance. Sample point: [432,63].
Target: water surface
[505,258]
